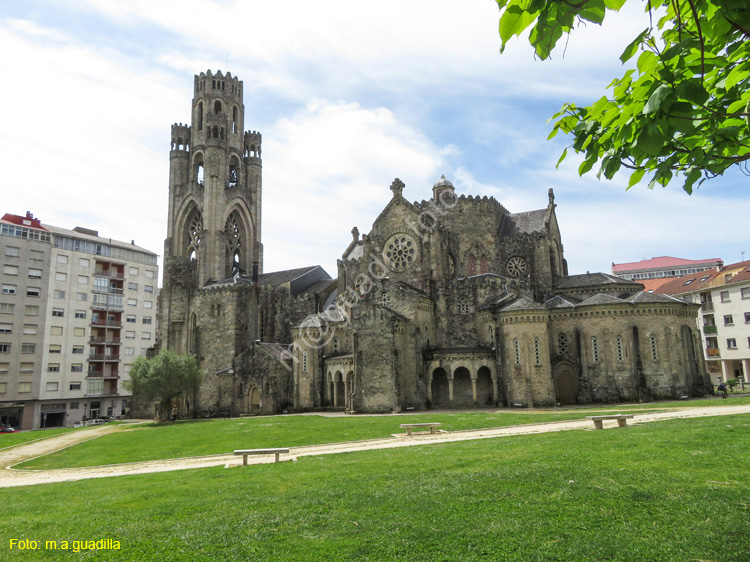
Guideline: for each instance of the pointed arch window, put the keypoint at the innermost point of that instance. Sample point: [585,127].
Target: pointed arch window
[472,265]
[234,243]
[200,116]
[235,115]
[195,232]
[483,265]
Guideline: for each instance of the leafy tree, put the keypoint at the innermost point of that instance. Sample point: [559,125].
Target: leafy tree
[164,377]
[683,114]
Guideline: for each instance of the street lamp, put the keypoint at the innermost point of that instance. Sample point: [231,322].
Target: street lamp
[83,420]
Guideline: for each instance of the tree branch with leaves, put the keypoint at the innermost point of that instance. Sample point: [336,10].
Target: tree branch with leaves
[682,114]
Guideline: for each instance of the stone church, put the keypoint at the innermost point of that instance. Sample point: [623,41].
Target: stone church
[451,302]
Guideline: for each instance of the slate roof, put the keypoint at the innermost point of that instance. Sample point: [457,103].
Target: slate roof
[559,301]
[591,280]
[523,223]
[652,297]
[523,303]
[600,298]
[277,278]
[276,350]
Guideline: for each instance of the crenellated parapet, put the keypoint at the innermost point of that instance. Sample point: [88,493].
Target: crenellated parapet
[225,85]
[252,146]
[180,137]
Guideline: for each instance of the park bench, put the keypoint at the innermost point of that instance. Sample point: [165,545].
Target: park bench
[246,452]
[621,420]
[410,426]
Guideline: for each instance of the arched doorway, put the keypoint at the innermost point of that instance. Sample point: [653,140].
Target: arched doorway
[440,389]
[566,384]
[485,395]
[463,394]
[254,397]
[339,390]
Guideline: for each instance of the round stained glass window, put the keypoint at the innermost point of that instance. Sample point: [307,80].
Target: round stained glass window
[400,252]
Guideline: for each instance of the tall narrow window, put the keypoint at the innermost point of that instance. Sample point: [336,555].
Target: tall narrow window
[517,351]
[483,265]
[562,344]
[472,265]
[200,116]
[537,352]
[595,348]
[654,349]
[618,345]
[235,115]
[304,361]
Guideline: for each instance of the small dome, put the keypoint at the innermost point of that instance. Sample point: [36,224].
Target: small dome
[442,182]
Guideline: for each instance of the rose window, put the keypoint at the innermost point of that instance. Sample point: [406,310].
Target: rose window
[516,267]
[400,252]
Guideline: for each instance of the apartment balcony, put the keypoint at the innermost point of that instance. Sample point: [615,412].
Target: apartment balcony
[104,341]
[102,375]
[104,357]
[110,274]
[713,352]
[707,306]
[107,323]
[108,290]
[107,306]
[709,329]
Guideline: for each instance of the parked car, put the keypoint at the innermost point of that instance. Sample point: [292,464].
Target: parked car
[95,422]
[7,430]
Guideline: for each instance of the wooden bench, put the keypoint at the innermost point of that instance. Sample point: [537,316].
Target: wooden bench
[621,420]
[246,452]
[410,426]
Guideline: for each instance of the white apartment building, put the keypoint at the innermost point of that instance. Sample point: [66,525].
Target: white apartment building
[75,311]
[724,319]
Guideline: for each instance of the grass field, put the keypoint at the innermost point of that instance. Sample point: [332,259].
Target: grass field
[664,491]
[157,441]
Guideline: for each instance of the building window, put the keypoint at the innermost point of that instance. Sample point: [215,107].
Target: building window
[9,289]
[62,258]
[132,286]
[724,296]
[516,352]
[29,329]
[58,312]
[728,320]
[148,288]
[4,368]
[10,270]
[3,387]
[618,345]
[31,310]
[463,306]
[61,276]
[80,314]
[132,302]
[24,387]
[12,251]
[335,345]
[492,336]
[130,318]
[74,386]
[148,304]
[83,262]
[129,335]
[562,344]
[304,361]
[472,266]
[146,336]
[747,318]
[78,349]
[94,386]
[147,320]
[55,348]
[537,352]
[27,367]
[76,368]
[4,348]
[52,386]
[149,274]
[58,294]
[731,343]
[28,348]
[384,300]
[36,255]
[83,280]
[6,328]
[35,273]
[6,308]
[654,349]
[56,331]
[35,291]
[53,368]
[129,351]
[745,292]
[133,271]
[79,332]
[595,348]
[82,297]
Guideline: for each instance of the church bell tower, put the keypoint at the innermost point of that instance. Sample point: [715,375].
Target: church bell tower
[215,187]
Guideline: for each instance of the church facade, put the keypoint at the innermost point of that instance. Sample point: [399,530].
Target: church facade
[453,301]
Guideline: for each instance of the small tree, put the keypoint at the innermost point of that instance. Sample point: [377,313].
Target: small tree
[164,377]
[732,383]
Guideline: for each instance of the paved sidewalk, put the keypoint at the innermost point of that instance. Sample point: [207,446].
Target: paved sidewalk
[10,477]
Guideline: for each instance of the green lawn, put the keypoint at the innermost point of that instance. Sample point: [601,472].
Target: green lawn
[156,441]
[664,491]
[21,437]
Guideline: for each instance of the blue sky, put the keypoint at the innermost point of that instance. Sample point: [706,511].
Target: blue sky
[348,96]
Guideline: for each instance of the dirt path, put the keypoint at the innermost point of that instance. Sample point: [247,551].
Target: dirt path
[10,477]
